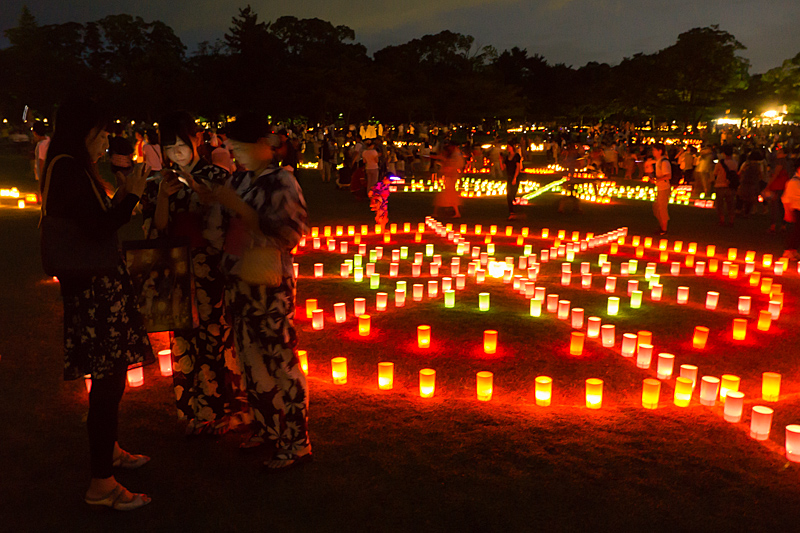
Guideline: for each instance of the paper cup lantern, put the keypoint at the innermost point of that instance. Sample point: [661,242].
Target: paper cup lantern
[775,309]
[651,390]
[364,325]
[593,327]
[656,291]
[712,299]
[536,307]
[764,320]
[165,362]
[339,370]
[607,335]
[683,295]
[424,336]
[563,309]
[317,321]
[729,383]
[739,329]
[552,303]
[760,422]
[744,305]
[636,299]
[734,405]
[311,305]
[628,344]
[689,372]
[302,356]
[417,291]
[427,382]
[136,376]
[576,343]
[770,386]
[485,385]
[613,305]
[358,274]
[433,288]
[577,318]
[683,392]
[700,268]
[544,393]
[490,341]
[709,389]
[399,298]
[449,298]
[666,365]
[793,443]
[644,355]
[461,281]
[359,306]
[700,337]
[483,301]
[611,284]
[594,393]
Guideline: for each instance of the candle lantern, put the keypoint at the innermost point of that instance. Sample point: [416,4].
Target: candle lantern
[775,309]
[317,321]
[593,327]
[566,278]
[633,265]
[339,312]
[380,301]
[399,297]
[613,305]
[649,271]
[712,298]
[461,281]
[364,325]
[633,285]
[536,307]
[404,252]
[734,405]
[552,303]
[729,383]
[770,386]
[545,233]
[373,256]
[628,344]
[700,337]
[636,299]
[683,295]
[744,305]
[764,320]
[165,362]
[374,280]
[449,298]
[343,247]
[483,301]
[644,337]
[755,279]
[345,270]
[611,284]
[359,306]
[605,269]
[480,275]
[427,382]
[766,285]
[648,242]
[793,443]
[539,293]
[424,336]
[656,292]
[683,392]
[739,329]
[713,265]
[607,335]
[369,270]
[395,255]
[577,318]
[700,268]
[339,370]
[417,291]
[544,393]
[760,422]
[316,243]
[732,253]
[689,261]
[709,388]
[749,268]
[358,274]
[663,257]
[416,270]
[651,391]
[586,280]
[576,343]
[665,366]
[675,268]
[394,270]
[563,309]
[484,386]
[302,356]
[594,393]
[311,305]
[733,271]
[644,355]
[433,288]
[602,259]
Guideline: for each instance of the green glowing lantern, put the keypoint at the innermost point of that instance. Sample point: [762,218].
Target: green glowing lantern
[483,301]
[450,299]
[375,281]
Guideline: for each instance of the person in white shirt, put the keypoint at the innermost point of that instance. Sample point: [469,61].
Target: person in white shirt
[40,152]
[371,164]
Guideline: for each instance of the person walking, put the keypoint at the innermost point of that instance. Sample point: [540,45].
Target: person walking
[512,163]
[726,180]
[104,333]
[663,175]
[267,211]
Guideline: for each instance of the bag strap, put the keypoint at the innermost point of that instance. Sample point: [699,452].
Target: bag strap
[46,188]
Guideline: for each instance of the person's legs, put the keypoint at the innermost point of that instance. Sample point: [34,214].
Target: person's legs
[101,422]
[793,240]
[511,194]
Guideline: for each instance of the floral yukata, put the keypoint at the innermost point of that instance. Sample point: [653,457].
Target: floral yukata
[201,357]
[266,340]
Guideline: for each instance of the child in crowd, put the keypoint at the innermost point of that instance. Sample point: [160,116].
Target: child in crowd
[379,201]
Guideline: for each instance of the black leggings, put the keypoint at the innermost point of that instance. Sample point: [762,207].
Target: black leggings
[511,193]
[102,422]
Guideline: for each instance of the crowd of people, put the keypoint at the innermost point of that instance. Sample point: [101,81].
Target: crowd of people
[239,365]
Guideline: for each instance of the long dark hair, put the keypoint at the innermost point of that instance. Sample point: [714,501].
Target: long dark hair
[75,119]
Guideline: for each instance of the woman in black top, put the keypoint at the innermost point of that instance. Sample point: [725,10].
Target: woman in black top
[513,164]
[103,330]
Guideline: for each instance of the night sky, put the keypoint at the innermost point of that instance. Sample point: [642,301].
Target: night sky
[573,32]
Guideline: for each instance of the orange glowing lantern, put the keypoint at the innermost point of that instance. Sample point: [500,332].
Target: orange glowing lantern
[544,391]
[700,337]
[651,390]
[399,298]
[490,341]
[775,309]
[683,295]
[311,305]
[734,405]
[302,356]
[576,342]
[594,393]
[136,376]
[711,250]
[656,292]
[611,284]
[381,299]
[760,422]
[766,285]
[683,392]
[644,337]
[770,386]
[593,327]
[485,382]
[317,321]
[764,320]
[339,370]
[729,383]
[427,382]
[732,253]
[424,336]
[739,329]
[364,325]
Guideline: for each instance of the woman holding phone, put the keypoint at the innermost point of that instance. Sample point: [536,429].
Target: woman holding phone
[203,386]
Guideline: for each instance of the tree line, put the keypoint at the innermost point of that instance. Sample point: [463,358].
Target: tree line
[311,70]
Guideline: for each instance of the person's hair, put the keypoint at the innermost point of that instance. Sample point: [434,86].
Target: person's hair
[727,149]
[117,128]
[39,128]
[152,135]
[74,121]
[659,146]
[249,128]
[177,125]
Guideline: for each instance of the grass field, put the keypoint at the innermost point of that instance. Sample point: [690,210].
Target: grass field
[391,461]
